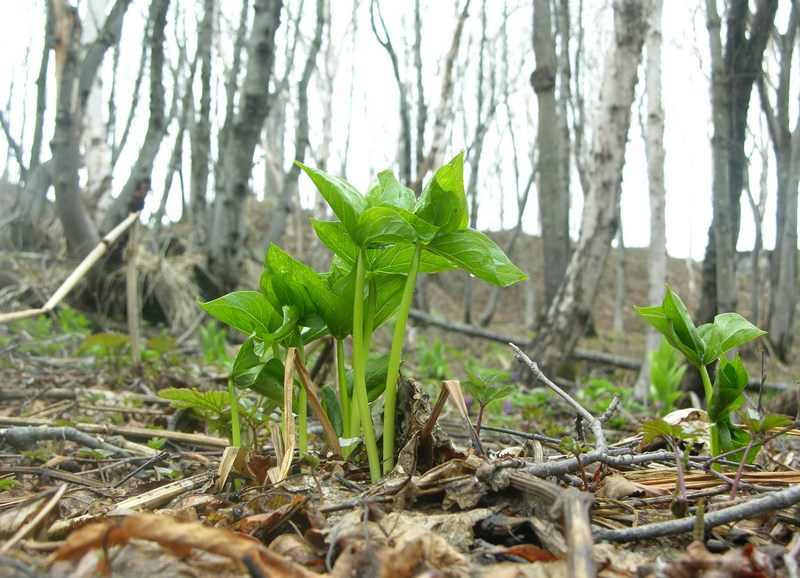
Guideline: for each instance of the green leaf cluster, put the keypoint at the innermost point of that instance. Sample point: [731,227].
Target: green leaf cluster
[380,241]
[702,346]
[666,374]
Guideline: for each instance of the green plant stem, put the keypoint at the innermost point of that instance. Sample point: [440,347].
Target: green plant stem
[344,396]
[680,478]
[713,431]
[236,431]
[359,372]
[302,410]
[740,469]
[390,396]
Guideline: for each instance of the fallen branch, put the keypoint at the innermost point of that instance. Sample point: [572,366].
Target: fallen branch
[26,438]
[74,278]
[125,431]
[755,507]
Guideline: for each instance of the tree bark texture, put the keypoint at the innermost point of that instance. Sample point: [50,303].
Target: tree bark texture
[553,196]
[786,147]
[71,71]
[201,127]
[157,124]
[228,238]
[654,150]
[568,315]
[732,78]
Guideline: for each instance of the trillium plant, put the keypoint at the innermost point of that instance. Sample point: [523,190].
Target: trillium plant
[380,242]
[703,346]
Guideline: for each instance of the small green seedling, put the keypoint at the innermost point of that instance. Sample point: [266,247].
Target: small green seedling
[673,435]
[156,443]
[757,427]
[483,389]
[703,346]
[8,483]
[576,448]
[666,374]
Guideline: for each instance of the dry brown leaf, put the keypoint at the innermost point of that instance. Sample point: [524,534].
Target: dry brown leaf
[529,552]
[416,550]
[180,537]
[617,486]
[746,562]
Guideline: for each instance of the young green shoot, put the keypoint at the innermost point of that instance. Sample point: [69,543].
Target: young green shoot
[703,346]
[483,389]
[672,435]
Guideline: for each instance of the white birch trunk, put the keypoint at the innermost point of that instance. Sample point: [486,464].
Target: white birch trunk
[654,148]
[96,152]
[569,313]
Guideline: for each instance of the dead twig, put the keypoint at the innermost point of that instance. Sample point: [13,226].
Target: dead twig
[751,508]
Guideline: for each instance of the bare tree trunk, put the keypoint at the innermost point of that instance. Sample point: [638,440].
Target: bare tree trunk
[569,313]
[732,78]
[553,197]
[41,92]
[174,164]
[445,110]
[482,122]
[721,251]
[786,147]
[562,19]
[618,322]
[654,149]
[404,159]
[289,191]
[226,248]
[73,82]
[156,126]
[96,152]
[201,127]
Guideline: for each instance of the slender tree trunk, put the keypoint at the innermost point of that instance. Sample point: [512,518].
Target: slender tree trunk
[618,322]
[286,199]
[404,156]
[786,147]
[569,313]
[73,77]
[201,127]
[41,92]
[226,249]
[444,112]
[654,149]
[157,124]
[732,76]
[96,152]
[553,197]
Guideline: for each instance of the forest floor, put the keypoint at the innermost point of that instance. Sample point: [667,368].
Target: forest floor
[99,475]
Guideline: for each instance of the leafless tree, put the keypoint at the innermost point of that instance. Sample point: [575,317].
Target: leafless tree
[569,313]
[227,240]
[786,147]
[654,149]
[553,196]
[733,72]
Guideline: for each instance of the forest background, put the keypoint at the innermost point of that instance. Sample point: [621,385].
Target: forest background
[586,117]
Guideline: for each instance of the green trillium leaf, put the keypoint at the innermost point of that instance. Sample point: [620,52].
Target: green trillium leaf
[247,311]
[342,197]
[443,201]
[477,254]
